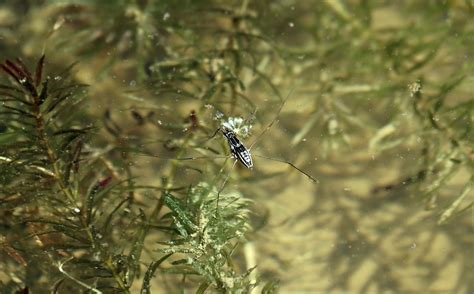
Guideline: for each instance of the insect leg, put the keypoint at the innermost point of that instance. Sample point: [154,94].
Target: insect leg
[182,158]
[292,165]
[273,121]
[215,133]
[223,184]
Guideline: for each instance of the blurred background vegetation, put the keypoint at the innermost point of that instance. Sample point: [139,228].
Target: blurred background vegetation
[109,181]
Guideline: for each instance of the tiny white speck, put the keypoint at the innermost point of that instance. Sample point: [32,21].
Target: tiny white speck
[291,24]
[218,115]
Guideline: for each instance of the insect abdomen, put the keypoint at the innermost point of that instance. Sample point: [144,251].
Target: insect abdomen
[243,155]
[238,149]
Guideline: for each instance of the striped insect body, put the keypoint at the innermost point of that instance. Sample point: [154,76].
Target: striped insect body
[237,126]
[238,150]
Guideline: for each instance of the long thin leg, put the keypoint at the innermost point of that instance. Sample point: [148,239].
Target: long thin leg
[182,158]
[214,134]
[290,164]
[223,185]
[273,121]
[249,119]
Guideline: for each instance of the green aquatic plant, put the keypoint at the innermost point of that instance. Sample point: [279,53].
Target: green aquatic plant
[72,200]
[205,240]
[52,200]
[120,185]
[76,193]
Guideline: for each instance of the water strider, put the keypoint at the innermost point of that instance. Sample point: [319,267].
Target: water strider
[242,153]
[238,150]
[236,126]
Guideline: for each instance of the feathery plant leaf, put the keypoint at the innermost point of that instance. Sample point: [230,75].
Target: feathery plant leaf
[206,238]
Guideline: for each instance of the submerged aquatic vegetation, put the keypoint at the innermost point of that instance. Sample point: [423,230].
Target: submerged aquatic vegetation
[82,213]
[207,239]
[381,115]
[73,187]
